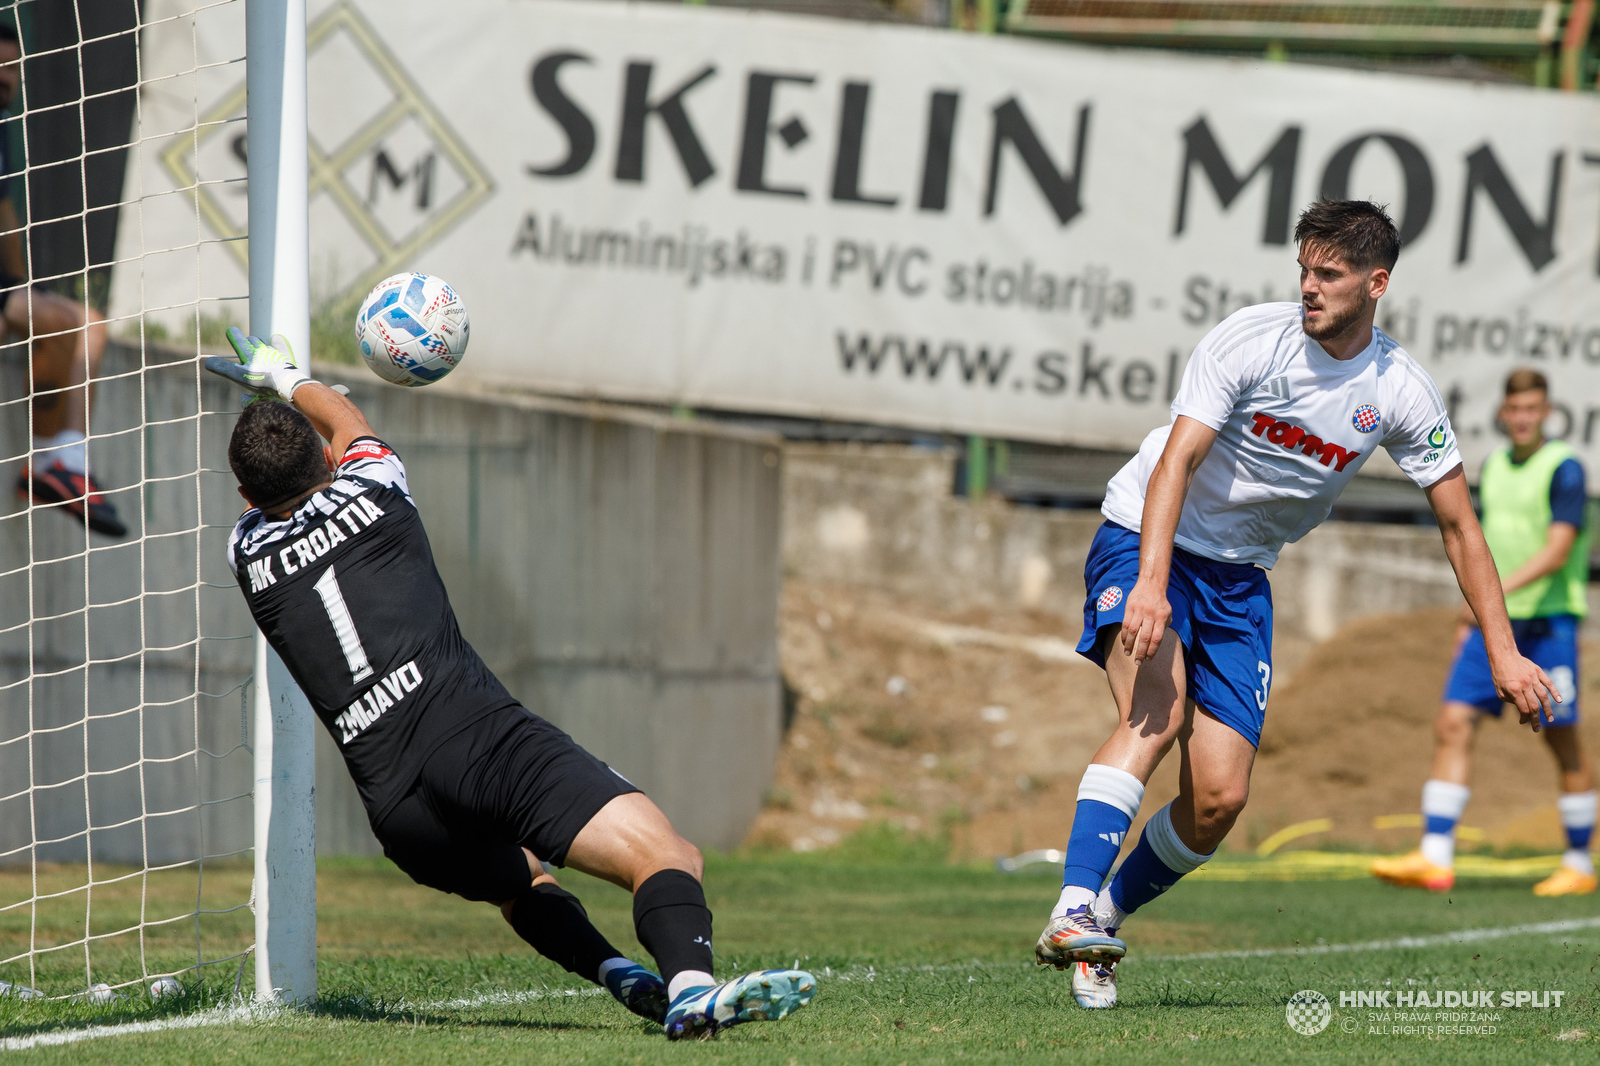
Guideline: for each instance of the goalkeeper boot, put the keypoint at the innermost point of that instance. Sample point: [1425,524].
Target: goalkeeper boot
[1076,937]
[640,991]
[1567,882]
[763,996]
[55,485]
[1414,871]
[1094,984]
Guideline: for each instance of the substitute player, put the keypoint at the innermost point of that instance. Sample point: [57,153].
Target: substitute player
[463,786]
[1534,499]
[1279,406]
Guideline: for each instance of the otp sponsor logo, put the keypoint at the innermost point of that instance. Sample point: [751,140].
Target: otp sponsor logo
[1366,418]
[1109,598]
[1277,431]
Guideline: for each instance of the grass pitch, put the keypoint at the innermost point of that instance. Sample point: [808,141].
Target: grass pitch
[918,961]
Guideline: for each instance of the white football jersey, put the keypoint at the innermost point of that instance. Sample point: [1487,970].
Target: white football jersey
[1293,426]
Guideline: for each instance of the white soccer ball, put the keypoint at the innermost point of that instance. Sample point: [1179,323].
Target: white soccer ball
[100,992]
[162,987]
[412,329]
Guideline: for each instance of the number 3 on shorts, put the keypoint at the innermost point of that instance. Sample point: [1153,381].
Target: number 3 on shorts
[1266,684]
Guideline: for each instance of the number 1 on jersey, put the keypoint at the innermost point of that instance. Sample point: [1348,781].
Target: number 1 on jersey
[344,626]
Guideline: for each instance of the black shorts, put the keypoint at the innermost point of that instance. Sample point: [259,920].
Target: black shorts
[507,782]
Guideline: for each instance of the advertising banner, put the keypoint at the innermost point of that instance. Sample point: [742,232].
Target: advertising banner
[894,224]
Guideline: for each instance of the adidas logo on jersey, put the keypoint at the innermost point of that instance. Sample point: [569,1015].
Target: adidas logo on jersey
[371,704]
[1278,386]
[1277,431]
[1113,838]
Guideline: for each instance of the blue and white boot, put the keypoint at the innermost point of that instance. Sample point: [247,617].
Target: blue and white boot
[763,996]
[640,991]
[1077,937]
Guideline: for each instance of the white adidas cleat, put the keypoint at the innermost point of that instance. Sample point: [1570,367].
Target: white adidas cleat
[763,996]
[1076,937]
[1094,984]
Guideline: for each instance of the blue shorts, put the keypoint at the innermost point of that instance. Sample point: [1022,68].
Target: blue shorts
[1222,612]
[1552,644]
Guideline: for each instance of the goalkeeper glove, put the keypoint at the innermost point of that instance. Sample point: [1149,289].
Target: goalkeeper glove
[270,367]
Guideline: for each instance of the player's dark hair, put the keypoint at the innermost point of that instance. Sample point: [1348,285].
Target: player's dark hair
[8,32]
[276,454]
[1358,231]
[1526,379]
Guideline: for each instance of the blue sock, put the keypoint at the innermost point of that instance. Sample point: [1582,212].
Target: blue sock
[1108,799]
[1155,865]
[1098,830]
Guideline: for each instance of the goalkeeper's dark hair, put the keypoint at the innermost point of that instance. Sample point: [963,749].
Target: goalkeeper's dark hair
[276,454]
[1359,231]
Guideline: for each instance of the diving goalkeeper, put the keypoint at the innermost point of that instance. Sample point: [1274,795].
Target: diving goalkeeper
[466,789]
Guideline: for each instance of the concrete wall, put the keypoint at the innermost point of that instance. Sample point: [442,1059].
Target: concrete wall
[620,573]
[883,516]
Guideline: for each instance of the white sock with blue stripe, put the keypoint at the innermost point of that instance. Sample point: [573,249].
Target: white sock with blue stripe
[1442,804]
[1578,811]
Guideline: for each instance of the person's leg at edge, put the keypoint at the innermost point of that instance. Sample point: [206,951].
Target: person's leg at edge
[1578,800]
[1213,785]
[1150,700]
[68,342]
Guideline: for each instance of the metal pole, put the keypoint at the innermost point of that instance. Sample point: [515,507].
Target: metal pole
[977,467]
[280,302]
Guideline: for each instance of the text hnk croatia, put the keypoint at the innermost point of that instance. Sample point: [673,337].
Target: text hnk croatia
[1057,170]
[361,513]
[1290,436]
[371,704]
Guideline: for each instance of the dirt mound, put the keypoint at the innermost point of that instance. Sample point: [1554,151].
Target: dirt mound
[981,722]
[1350,738]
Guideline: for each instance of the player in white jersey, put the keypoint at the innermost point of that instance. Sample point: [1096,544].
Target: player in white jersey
[1279,406]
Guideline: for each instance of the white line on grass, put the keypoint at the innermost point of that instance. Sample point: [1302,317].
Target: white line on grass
[501,997]
[197,1020]
[1460,936]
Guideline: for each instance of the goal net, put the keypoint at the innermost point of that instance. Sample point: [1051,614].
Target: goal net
[126,659]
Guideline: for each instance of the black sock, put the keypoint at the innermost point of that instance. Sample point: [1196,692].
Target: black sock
[673,923]
[553,921]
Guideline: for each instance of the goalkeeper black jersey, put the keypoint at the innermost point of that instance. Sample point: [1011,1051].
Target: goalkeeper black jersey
[346,591]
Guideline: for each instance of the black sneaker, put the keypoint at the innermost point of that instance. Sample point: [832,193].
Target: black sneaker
[55,485]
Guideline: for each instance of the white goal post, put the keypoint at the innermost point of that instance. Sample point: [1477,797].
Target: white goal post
[280,302]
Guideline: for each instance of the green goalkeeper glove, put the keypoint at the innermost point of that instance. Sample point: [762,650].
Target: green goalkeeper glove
[269,366]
